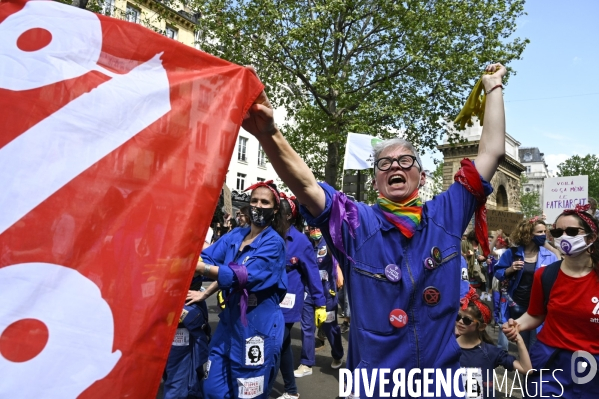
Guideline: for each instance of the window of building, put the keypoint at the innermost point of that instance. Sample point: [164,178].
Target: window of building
[240,181]
[259,179]
[241,149]
[133,14]
[197,39]
[171,32]
[527,189]
[527,157]
[261,157]
[107,7]
[528,169]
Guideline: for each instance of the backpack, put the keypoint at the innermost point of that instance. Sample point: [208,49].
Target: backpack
[548,278]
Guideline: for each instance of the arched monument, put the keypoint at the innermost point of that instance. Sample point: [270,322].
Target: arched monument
[506,182]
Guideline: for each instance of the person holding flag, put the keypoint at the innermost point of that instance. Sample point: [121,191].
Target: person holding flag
[249,265]
[400,258]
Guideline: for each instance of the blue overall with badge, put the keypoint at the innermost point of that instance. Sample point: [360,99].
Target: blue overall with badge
[302,275]
[404,294]
[327,268]
[243,359]
[184,372]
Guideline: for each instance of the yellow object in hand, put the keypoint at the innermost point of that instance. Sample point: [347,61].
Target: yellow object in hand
[320,315]
[333,293]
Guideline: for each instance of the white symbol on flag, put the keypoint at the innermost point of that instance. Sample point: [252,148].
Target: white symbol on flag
[80,331]
[50,154]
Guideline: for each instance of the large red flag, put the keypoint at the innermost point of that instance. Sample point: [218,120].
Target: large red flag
[114,144]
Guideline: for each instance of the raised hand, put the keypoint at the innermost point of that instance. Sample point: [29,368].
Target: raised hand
[259,119]
[494,79]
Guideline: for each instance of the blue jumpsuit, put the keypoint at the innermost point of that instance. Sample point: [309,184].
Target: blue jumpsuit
[184,373]
[328,273]
[427,340]
[243,360]
[303,280]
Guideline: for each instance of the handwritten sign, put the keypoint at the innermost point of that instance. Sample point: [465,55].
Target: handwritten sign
[506,221]
[561,193]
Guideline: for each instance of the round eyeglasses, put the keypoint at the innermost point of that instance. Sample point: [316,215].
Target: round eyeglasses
[404,162]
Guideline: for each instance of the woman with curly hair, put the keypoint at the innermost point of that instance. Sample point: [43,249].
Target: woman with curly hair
[569,311]
[518,265]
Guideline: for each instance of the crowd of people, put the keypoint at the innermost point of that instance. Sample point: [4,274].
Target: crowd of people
[418,289]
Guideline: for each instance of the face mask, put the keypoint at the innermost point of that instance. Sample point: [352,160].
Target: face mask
[315,235]
[571,246]
[539,240]
[262,216]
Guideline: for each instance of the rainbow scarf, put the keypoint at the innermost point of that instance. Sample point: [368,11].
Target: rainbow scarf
[405,216]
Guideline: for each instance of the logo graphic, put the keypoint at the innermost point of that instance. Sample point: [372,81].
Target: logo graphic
[580,362]
[595,300]
[566,246]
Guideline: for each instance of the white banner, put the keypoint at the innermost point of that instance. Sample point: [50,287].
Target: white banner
[359,153]
[561,193]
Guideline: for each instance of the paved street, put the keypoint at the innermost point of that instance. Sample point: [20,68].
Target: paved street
[324,381]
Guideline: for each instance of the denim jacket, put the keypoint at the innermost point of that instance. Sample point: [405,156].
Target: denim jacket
[545,258]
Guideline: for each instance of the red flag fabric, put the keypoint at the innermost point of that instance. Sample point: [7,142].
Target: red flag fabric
[114,144]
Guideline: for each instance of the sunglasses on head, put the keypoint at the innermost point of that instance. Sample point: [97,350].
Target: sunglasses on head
[465,319]
[571,231]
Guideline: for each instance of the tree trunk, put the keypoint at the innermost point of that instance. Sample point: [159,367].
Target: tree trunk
[331,168]
[79,3]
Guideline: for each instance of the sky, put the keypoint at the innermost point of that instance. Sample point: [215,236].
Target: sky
[552,101]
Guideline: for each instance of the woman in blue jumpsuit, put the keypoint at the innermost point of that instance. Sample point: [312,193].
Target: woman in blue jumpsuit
[519,266]
[403,285]
[327,267]
[184,371]
[249,265]
[303,278]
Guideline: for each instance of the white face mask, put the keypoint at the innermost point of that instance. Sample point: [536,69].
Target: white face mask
[572,246]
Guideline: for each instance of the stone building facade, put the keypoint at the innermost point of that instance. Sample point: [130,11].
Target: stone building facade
[506,182]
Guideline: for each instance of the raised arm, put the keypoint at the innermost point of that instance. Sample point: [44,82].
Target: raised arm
[286,162]
[491,148]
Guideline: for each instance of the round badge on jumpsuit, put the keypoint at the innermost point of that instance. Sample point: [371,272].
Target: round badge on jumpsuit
[382,281]
[444,274]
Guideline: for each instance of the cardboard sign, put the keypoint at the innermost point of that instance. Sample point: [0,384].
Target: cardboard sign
[561,193]
[506,221]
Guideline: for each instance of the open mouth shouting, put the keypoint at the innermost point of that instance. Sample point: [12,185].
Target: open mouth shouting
[396,180]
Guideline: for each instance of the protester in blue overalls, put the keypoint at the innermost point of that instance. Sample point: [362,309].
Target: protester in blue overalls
[249,265]
[184,372]
[303,281]
[568,344]
[519,265]
[327,266]
[400,259]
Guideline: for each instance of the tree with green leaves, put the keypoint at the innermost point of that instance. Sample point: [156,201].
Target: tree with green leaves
[578,166]
[437,177]
[370,66]
[530,201]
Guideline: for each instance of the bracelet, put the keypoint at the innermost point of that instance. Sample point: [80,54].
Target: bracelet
[207,269]
[493,88]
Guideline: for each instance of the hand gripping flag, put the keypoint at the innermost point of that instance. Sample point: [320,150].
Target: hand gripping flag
[114,144]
